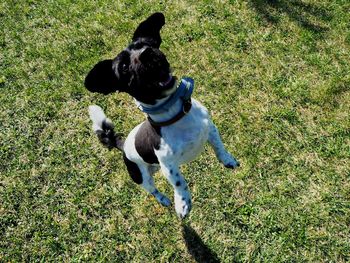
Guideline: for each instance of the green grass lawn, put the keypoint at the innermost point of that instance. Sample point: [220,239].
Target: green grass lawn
[275,76]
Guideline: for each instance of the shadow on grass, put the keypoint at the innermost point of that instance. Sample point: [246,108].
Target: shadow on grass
[307,15]
[195,246]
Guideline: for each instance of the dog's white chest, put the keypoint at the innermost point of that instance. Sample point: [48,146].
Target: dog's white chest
[185,139]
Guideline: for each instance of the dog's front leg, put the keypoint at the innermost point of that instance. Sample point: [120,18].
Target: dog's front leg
[223,156]
[182,196]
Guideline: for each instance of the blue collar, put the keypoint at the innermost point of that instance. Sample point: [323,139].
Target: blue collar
[183,92]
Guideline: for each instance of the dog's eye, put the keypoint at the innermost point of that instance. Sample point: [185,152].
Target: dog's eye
[125,67]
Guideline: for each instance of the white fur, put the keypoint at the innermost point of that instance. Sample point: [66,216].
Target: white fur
[97,116]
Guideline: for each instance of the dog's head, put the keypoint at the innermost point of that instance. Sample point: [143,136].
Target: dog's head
[141,69]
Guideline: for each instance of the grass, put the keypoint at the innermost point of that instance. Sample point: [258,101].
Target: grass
[275,77]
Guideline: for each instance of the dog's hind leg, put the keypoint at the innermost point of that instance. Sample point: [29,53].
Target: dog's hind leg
[142,175]
[223,156]
[182,196]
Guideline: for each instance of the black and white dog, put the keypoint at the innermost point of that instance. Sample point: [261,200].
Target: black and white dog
[177,126]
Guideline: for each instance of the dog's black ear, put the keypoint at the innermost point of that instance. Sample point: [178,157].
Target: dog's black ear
[150,29]
[102,78]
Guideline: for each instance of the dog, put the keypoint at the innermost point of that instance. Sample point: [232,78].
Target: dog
[177,126]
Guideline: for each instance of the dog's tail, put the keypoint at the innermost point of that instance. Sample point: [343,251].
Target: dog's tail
[104,129]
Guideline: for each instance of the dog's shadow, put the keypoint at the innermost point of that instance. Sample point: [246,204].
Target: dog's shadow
[196,247]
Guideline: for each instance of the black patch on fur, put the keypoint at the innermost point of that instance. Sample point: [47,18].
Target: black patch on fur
[134,170]
[109,138]
[178,183]
[146,141]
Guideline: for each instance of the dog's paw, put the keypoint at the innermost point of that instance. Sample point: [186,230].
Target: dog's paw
[231,163]
[162,199]
[183,204]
